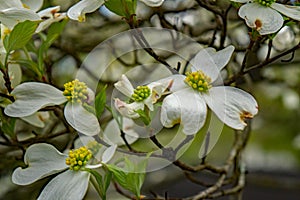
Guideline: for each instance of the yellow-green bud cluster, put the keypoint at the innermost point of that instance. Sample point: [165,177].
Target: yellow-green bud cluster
[78,158]
[265,2]
[198,81]
[140,93]
[76,91]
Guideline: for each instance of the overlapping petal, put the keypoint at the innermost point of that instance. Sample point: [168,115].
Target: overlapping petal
[109,153]
[264,19]
[81,120]
[78,11]
[70,185]
[32,96]
[231,105]
[186,107]
[42,160]
[211,61]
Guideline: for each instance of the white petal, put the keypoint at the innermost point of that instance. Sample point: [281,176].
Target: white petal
[78,11]
[42,160]
[34,5]
[112,133]
[212,62]
[128,110]
[177,82]
[264,19]
[11,16]
[153,3]
[70,185]
[81,120]
[124,86]
[109,153]
[37,119]
[240,1]
[4,4]
[231,105]
[32,96]
[159,88]
[290,11]
[186,107]
[48,12]
[46,23]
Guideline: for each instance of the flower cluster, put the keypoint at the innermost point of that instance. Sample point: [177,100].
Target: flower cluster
[189,94]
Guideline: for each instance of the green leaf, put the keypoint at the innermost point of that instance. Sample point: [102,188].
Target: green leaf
[133,178]
[54,32]
[20,35]
[100,101]
[124,8]
[8,125]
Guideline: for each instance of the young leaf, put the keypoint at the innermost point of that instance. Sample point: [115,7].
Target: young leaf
[100,101]
[132,180]
[144,116]
[124,8]
[20,35]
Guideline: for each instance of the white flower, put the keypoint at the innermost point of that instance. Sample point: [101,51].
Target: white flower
[44,160]
[141,96]
[78,11]
[264,15]
[191,93]
[32,96]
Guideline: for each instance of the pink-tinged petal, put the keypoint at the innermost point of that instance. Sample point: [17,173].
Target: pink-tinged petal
[78,11]
[186,107]
[42,160]
[264,19]
[211,62]
[290,11]
[70,185]
[232,105]
[153,3]
[81,120]
[128,110]
[124,86]
[32,96]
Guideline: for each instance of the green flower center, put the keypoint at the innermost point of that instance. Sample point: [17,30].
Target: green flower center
[76,91]
[198,81]
[140,93]
[78,158]
[266,3]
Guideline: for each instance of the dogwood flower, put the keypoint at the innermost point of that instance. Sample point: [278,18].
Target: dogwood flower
[32,96]
[265,15]
[141,96]
[78,11]
[192,93]
[44,160]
